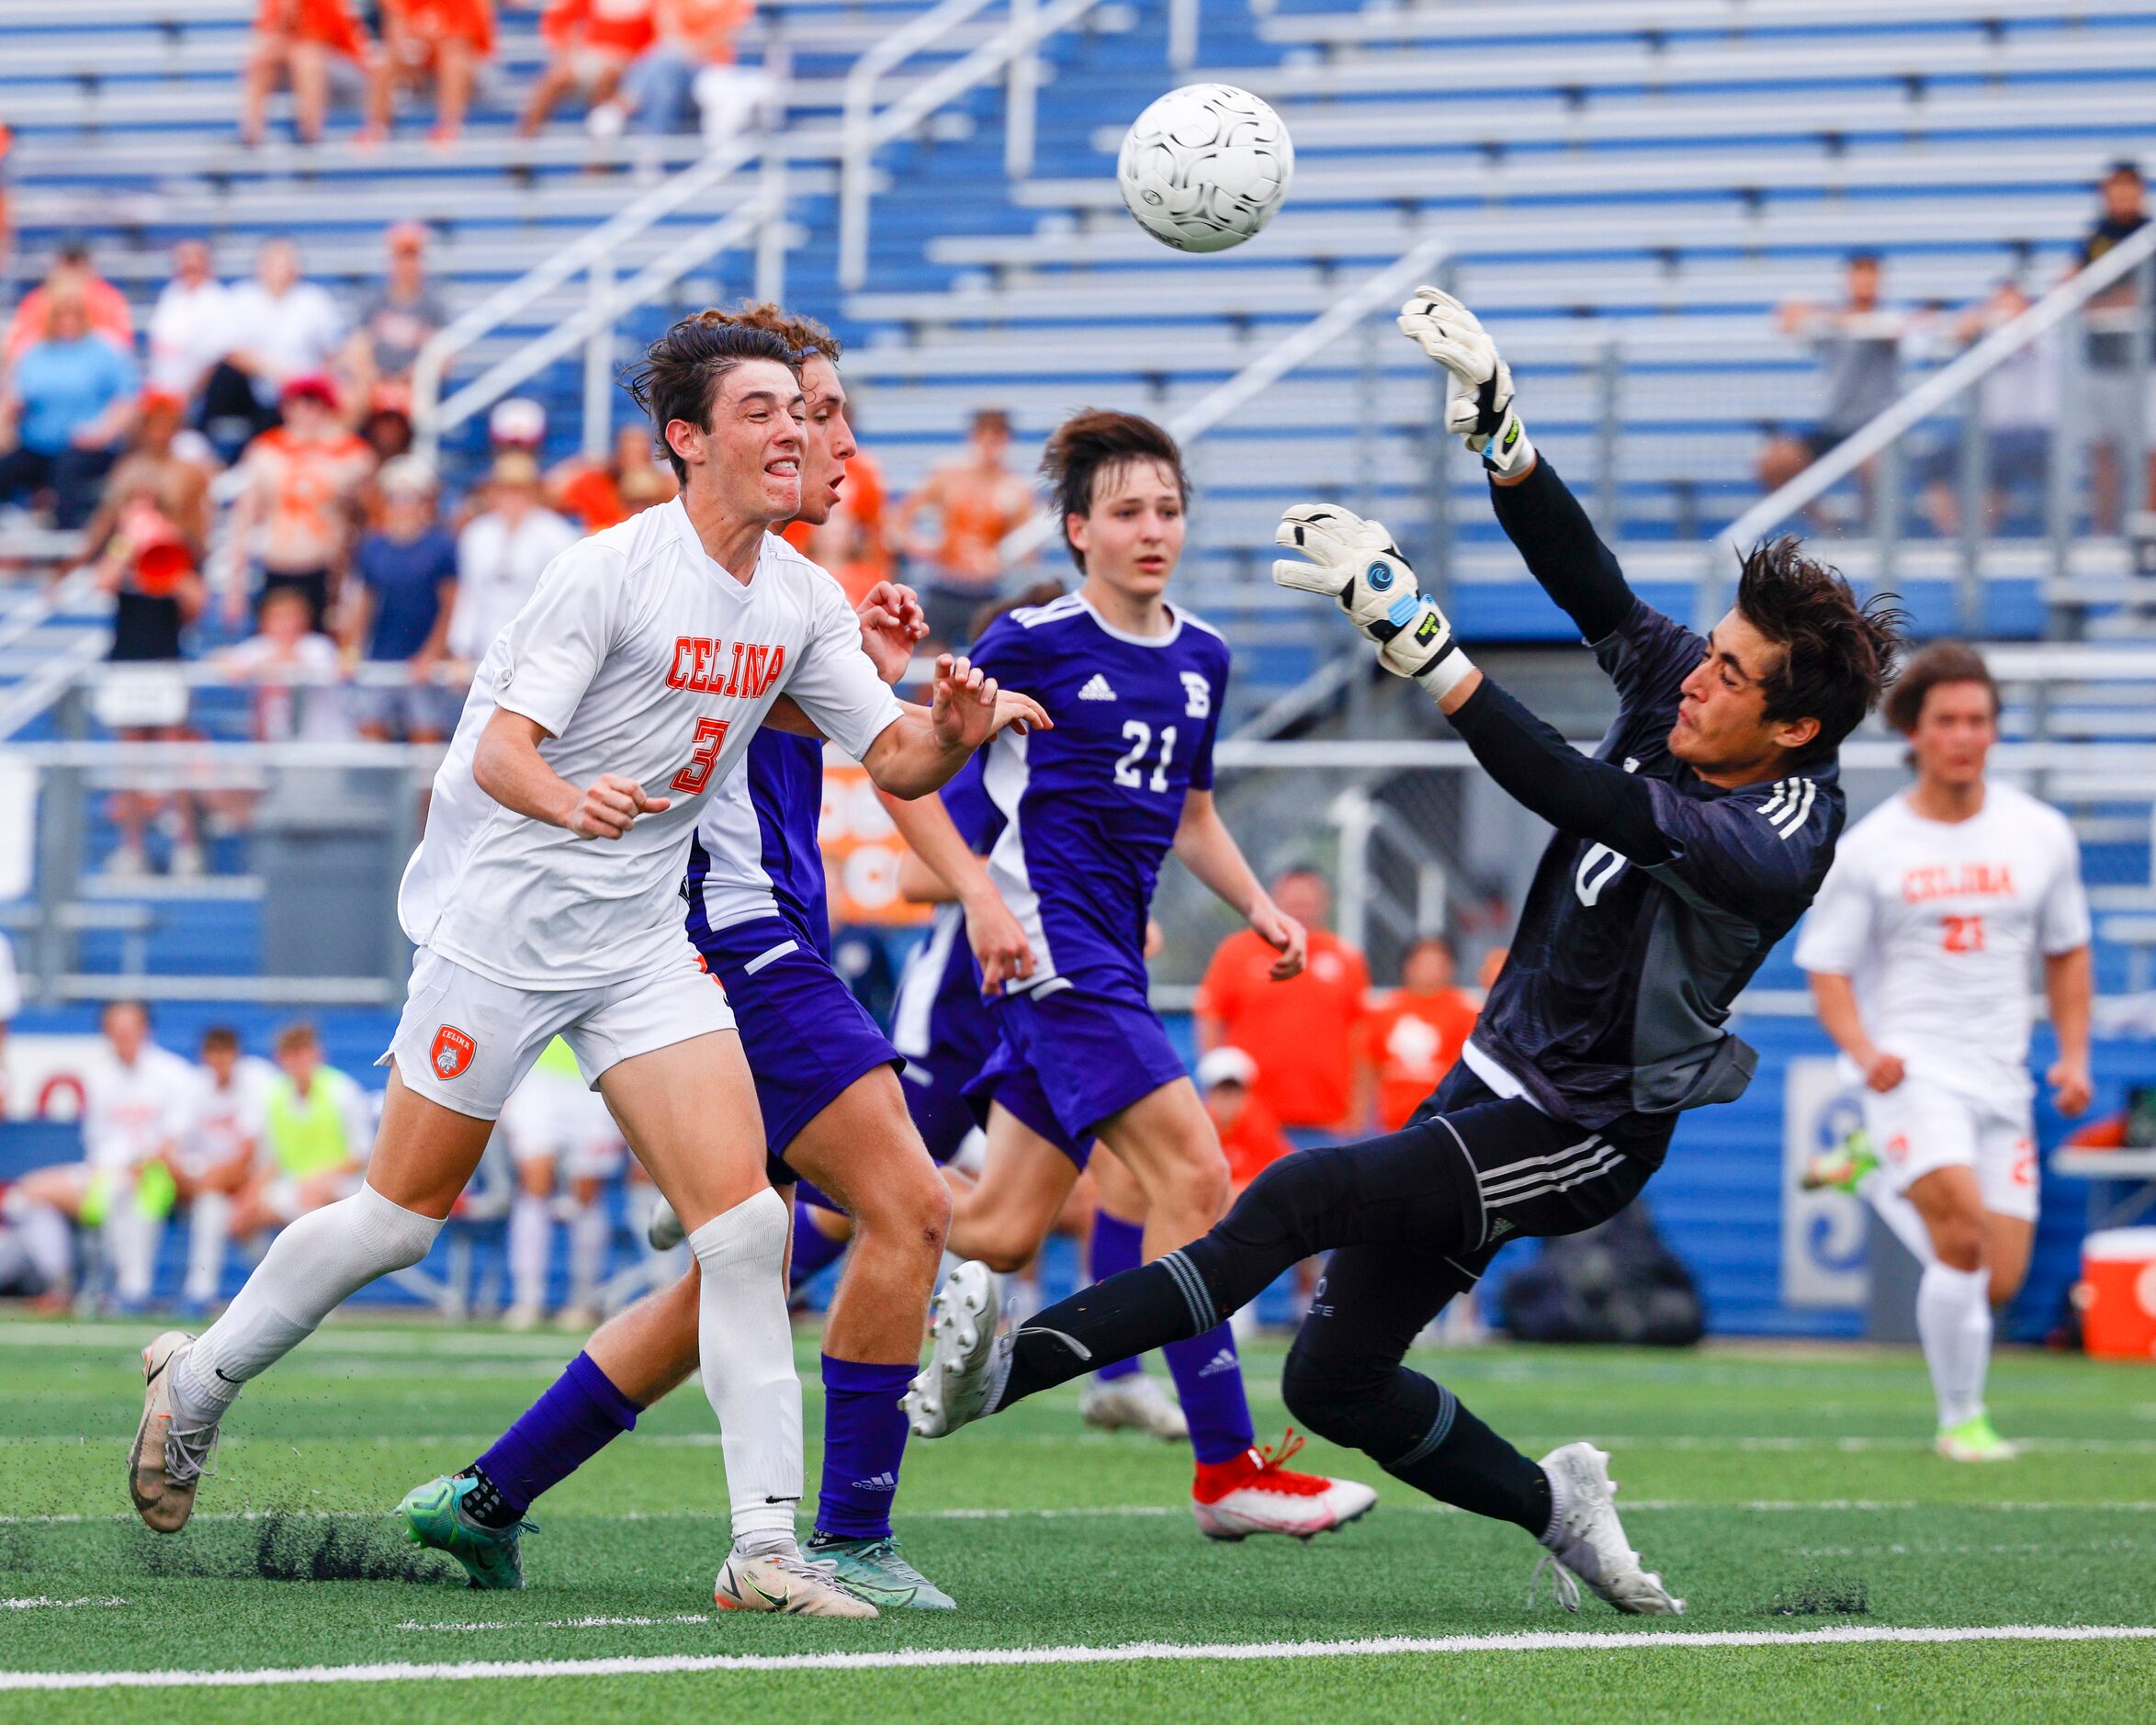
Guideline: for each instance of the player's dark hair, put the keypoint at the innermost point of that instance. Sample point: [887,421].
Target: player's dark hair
[1096,441]
[1039,594]
[1837,651]
[1941,662]
[804,335]
[220,1036]
[682,370]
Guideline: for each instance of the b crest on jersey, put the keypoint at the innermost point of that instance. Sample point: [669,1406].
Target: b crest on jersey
[451,1052]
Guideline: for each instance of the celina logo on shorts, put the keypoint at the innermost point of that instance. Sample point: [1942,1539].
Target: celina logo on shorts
[452,1051]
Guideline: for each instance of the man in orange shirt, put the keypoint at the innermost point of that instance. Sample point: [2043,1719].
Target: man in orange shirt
[451,39]
[592,43]
[303,481]
[1301,1031]
[294,41]
[1410,1042]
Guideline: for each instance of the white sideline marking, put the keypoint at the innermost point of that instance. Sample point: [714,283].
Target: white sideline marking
[42,1604]
[569,1623]
[933,1659]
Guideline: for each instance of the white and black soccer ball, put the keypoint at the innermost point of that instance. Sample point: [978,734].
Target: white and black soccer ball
[1205,167]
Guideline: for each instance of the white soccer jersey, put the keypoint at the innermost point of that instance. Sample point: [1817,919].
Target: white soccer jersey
[134,1112]
[223,1119]
[640,656]
[1939,925]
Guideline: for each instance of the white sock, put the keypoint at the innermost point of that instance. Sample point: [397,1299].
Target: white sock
[531,1234]
[131,1244]
[48,1237]
[745,1346]
[1901,1215]
[309,1271]
[590,1232]
[1954,1316]
[208,1223]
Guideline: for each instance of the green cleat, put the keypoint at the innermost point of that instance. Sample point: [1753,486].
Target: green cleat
[434,1517]
[873,1569]
[1974,1440]
[1843,1168]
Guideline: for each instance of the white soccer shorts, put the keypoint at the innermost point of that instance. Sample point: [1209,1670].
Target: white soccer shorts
[1918,1127]
[466,1042]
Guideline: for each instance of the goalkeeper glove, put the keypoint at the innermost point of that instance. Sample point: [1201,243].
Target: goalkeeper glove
[1356,563]
[1426,651]
[1481,409]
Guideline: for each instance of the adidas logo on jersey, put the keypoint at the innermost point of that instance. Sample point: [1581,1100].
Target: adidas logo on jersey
[1096,689]
[1225,1361]
[884,1482]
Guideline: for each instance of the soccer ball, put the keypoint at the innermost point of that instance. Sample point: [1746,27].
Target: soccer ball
[1205,167]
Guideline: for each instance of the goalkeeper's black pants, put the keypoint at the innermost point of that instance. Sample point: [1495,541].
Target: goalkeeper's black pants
[1411,1219]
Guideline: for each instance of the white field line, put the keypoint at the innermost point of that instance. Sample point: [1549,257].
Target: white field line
[933,1659]
[39,1603]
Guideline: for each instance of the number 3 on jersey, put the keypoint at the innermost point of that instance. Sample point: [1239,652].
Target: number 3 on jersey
[710,738]
[1129,769]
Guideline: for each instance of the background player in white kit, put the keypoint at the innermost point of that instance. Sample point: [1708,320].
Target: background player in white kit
[648,658]
[224,1135]
[566,1146]
[1921,948]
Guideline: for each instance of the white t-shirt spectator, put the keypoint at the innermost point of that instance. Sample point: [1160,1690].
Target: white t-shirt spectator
[497,569]
[293,333]
[298,701]
[190,330]
[227,1119]
[132,1113]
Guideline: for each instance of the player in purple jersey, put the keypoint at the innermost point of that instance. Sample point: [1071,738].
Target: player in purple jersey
[1088,813]
[826,1088]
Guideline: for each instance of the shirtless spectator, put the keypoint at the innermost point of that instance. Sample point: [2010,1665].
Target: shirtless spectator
[296,43]
[448,39]
[599,495]
[501,555]
[300,497]
[282,327]
[399,606]
[191,325]
[395,324]
[72,276]
[589,44]
[976,501]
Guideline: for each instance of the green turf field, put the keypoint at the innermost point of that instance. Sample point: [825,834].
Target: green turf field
[1789,1493]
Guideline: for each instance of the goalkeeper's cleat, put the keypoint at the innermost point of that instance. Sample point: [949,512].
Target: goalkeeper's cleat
[965,1354]
[1255,1492]
[164,1467]
[664,1230]
[1134,1403]
[1586,1540]
[434,1517]
[1843,1168]
[878,1572]
[1975,1440]
[786,1582]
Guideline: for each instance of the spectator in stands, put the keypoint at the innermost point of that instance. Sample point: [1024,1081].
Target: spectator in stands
[67,405]
[315,1132]
[71,278]
[2017,402]
[190,328]
[1250,1137]
[399,608]
[283,326]
[501,555]
[450,39]
[601,494]
[301,486]
[216,1154]
[692,60]
[388,432]
[1411,1039]
[1300,1031]
[394,325]
[294,671]
[134,1114]
[2112,404]
[589,44]
[7,200]
[1859,348]
[976,501]
[299,42]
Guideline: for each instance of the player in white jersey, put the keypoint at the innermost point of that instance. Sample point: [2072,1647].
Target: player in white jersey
[224,1134]
[1922,947]
[622,694]
[566,1146]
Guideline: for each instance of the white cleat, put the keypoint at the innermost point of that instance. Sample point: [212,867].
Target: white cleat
[164,1469]
[520,1318]
[664,1229]
[1588,1540]
[963,1351]
[1134,1403]
[787,1582]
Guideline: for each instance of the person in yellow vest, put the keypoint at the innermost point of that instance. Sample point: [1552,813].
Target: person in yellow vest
[314,1133]
[559,1132]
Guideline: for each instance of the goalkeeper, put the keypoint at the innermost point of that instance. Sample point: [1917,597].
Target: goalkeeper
[1686,846]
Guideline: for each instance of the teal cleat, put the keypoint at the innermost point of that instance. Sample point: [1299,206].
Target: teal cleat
[434,1517]
[876,1570]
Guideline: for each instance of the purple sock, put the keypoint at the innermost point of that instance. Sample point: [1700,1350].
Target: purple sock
[864,1441]
[1115,1245]
[579,1416]
[1209,1384]
[813,1249]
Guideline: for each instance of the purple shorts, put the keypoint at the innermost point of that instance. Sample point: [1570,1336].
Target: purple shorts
[1066,1061]
[806,1037]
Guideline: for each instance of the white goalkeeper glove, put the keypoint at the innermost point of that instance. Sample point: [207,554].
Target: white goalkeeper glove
[1355,563]
[1481,409]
